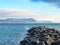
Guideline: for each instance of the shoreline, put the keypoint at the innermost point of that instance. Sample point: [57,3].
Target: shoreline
[29,23]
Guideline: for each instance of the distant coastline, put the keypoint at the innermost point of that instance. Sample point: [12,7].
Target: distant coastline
[29,23]
[23,20]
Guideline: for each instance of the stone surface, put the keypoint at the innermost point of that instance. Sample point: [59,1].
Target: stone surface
[41,35]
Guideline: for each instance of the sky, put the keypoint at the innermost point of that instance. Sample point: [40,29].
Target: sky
[37,9]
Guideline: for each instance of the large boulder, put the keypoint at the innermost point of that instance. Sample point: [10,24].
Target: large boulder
[41,35]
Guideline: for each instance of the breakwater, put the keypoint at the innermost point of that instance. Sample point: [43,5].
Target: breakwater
[41,35]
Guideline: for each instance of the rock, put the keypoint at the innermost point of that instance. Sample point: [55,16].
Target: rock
[41,35]
[24,42]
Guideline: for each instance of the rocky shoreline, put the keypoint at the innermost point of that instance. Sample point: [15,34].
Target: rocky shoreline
[41,35]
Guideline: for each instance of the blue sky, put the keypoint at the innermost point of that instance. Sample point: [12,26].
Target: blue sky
[26,8]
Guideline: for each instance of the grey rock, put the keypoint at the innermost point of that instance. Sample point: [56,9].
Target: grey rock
[41,35]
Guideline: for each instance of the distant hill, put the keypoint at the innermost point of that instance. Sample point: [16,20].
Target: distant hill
[13,20]
[45,21]
[23,20]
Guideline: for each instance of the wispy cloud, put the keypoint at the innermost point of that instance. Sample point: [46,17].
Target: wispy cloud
[56,2]
[14,13]
[17,13]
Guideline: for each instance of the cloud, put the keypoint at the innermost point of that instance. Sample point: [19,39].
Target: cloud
[56,2]
[17,13]
[14,13]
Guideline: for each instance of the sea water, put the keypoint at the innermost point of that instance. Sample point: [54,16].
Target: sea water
[12,34]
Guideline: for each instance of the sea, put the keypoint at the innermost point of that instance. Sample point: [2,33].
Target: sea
[12,34]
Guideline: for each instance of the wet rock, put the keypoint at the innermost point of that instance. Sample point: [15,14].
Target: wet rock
[41,35]
[24,42]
